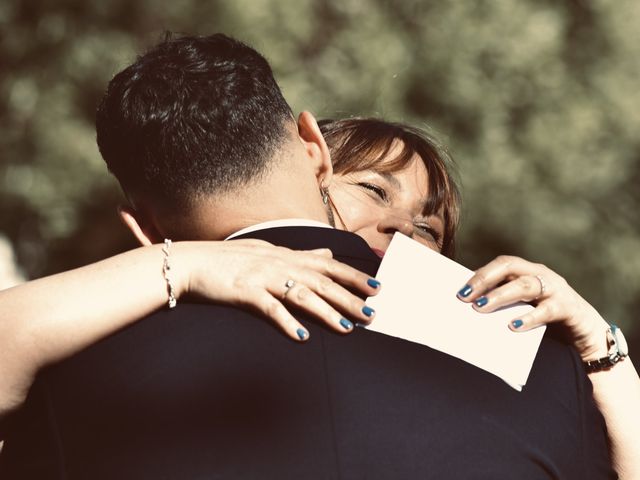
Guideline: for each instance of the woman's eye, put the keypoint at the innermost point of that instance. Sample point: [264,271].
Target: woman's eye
[437,236]
[375,189]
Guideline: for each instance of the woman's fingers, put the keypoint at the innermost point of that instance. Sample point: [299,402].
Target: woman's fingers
[276,305]
[343,274]
[310,282]
[342,299]
[502,269]
[541,315]
[323,298]
[322,252]
[523,289]
[332,283]
[273,309]
[276,280]
[508,280]
[304,299]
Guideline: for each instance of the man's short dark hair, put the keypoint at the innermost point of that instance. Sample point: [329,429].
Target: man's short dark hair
[193,116]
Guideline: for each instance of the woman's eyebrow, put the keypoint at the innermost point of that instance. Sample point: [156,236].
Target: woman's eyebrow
[390,177]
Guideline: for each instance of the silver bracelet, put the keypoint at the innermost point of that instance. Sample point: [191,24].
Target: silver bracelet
[166,269]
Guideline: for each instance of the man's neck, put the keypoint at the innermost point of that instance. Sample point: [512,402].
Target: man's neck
[219,218]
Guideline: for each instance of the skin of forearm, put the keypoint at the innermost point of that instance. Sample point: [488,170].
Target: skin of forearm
[617,393]
[46,320]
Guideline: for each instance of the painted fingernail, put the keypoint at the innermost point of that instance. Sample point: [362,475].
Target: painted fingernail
[368,311]
[372,282]
[517,323]
[482,301]
[346,324]
[302,333]
[465,291]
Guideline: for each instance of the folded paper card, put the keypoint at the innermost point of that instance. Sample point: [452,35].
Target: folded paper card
[418,303]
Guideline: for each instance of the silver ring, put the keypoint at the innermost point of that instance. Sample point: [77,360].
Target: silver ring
[288,286]
[543,286]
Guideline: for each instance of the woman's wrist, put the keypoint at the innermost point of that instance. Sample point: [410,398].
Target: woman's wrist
[595,344]
[180,261]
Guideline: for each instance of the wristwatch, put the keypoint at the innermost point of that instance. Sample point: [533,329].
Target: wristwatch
[618,351]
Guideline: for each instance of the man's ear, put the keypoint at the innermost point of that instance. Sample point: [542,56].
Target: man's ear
[146,233]
[316,147]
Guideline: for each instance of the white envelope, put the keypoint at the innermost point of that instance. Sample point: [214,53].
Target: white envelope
[417,302]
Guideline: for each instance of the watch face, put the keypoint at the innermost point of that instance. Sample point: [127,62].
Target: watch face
[621,342]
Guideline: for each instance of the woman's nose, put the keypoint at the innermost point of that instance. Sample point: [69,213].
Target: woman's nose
[396,223]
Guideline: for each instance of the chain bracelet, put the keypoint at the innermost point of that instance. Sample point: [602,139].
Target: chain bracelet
[166,271]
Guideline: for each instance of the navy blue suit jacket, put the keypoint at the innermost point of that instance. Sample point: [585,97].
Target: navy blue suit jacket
[207,391]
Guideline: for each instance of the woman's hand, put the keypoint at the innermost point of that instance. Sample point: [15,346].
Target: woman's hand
[274,280]
[507,280]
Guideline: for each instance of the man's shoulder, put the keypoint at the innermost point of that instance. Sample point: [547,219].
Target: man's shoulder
[346,246]
[188,333]
[557,364]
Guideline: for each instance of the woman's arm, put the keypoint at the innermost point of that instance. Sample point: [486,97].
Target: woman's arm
[507,280]
[46,320]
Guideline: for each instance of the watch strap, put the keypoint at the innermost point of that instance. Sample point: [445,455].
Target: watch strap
[617,351]
[603,363]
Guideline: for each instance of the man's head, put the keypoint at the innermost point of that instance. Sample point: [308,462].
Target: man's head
[194,122]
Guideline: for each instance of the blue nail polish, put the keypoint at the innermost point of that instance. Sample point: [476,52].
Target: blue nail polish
[465,291]
[368,311]
[372,282]
[346,324]
[482,301]
[302,333]
[517,323]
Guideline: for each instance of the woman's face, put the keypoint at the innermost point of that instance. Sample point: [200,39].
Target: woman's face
[376,205]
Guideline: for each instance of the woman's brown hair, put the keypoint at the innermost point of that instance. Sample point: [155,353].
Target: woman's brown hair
[358,144]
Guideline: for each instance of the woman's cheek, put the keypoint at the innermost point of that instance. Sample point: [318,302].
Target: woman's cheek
[359,217]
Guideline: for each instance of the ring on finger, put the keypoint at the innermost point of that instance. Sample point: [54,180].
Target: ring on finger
[288,286]
[543,286]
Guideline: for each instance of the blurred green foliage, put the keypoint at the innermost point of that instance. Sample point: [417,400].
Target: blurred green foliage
[538,100]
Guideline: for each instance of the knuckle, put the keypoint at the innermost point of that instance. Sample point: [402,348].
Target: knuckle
[541,266]
[480,277]
[302,294]
[528,284]
[504,260]
[329,266]
[283,251]
[272,308]
[561,281]
[549,310]
[325,285]
[241,284]
[356,305]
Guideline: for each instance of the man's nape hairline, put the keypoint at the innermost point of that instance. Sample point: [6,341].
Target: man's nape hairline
[192,116]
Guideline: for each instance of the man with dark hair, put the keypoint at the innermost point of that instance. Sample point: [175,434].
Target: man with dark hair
[193,119]
[204,145]
[210,101]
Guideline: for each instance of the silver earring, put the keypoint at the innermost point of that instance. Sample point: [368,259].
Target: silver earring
[324,191]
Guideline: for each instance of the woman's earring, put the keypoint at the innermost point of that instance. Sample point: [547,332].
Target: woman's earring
[324,191]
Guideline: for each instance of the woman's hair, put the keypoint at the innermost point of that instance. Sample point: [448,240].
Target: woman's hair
[358,144]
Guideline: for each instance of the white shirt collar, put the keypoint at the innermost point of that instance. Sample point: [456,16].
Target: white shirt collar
[287,222]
